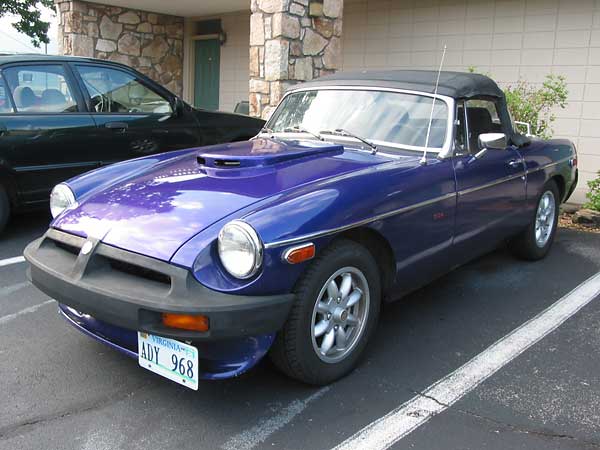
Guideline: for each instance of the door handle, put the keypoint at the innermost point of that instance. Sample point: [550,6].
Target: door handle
[119,126]
[516,163]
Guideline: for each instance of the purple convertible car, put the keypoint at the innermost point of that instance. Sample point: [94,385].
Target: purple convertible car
[360,188]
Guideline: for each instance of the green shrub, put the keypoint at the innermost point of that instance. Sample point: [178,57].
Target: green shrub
[533,105]
[594,194]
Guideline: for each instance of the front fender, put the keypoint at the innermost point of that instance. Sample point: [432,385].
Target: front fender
[313,207]
[317,213]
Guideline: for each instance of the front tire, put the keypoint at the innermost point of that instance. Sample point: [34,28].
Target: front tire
[4,208]
[535,241]
[335,312]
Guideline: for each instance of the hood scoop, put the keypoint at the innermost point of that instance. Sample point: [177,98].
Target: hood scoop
[265,152]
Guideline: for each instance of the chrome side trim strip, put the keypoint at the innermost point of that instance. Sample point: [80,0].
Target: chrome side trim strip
[490,184]
[555,163]
[323,233]
[511,177]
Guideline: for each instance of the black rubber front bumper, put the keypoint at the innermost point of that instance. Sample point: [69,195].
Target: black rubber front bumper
[131,291]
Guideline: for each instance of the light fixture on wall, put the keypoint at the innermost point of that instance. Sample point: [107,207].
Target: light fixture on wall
[209,29]
[222,37]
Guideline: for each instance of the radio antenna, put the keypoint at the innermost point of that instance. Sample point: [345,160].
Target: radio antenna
[437,82]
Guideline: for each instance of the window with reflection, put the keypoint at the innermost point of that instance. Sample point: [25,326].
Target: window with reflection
[401,119]
[40,89]
[115,91]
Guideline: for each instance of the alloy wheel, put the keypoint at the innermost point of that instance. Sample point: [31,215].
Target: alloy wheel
[340,314]
[544,219]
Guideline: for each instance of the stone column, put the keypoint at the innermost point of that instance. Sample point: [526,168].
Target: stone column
[291,41]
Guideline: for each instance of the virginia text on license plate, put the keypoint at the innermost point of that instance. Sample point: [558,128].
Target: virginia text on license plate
[169,358]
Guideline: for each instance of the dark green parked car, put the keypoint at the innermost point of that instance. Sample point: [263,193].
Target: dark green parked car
[61,116]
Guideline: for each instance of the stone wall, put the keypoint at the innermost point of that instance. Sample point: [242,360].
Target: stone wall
[151,43]
[291,41]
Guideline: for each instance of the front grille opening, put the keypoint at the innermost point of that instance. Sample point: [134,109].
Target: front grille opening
[226,163]
[138,271]
[68,247]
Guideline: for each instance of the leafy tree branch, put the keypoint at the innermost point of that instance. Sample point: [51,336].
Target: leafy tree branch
[535,104]
[30,19]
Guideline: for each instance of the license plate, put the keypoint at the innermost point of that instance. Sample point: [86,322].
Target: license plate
[169,358]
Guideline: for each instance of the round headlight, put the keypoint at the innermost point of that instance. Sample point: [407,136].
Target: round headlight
[61,198]
[240,249]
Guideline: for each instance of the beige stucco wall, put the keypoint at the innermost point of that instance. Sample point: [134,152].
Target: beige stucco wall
[509,39]
[233,84]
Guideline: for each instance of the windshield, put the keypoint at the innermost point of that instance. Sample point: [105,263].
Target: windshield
[383,117]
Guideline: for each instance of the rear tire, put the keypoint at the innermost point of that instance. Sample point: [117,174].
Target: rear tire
[335,312]
[4,208]
[535,241]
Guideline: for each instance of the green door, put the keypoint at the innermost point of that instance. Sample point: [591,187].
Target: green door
[206,83]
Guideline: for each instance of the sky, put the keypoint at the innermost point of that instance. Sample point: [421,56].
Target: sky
[14,42]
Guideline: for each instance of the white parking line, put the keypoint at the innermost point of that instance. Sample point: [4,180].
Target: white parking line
[389,429]
[259,433]
[14,288]
[34,308]
[9,261]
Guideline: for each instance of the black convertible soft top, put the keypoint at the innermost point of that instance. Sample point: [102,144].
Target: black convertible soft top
[452,84]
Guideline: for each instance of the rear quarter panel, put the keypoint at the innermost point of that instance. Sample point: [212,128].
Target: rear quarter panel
[545,160]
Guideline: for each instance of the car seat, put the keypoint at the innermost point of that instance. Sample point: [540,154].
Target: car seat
[24,97]
[53,100]
[480,121]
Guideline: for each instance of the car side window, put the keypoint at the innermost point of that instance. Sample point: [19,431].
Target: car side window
[40,89]
[5,106]
[482,117]
[115,91]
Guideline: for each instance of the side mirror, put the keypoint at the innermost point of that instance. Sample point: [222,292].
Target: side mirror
[495,141]
[488,141]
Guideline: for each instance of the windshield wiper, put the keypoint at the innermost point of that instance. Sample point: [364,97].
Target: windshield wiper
[298,129]
[266,130]
[345,133]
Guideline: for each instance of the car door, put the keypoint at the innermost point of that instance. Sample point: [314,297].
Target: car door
[134,117]
[491,184]
[45,137]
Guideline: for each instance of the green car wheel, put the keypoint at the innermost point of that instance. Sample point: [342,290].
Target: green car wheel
[4,208]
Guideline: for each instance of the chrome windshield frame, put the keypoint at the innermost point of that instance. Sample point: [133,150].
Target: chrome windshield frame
[443,152]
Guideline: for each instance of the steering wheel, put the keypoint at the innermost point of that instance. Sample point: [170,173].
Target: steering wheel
[98,103]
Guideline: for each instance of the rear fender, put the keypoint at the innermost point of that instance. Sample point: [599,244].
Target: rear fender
[546,160]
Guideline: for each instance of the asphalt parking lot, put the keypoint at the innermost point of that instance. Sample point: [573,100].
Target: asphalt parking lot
[62,390]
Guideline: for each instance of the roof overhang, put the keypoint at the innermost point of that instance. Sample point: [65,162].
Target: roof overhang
[182,8]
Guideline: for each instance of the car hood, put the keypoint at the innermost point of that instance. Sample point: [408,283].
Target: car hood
[158,209]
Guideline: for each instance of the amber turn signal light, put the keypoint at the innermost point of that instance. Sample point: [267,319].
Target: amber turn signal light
[185,322]
[299,254]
